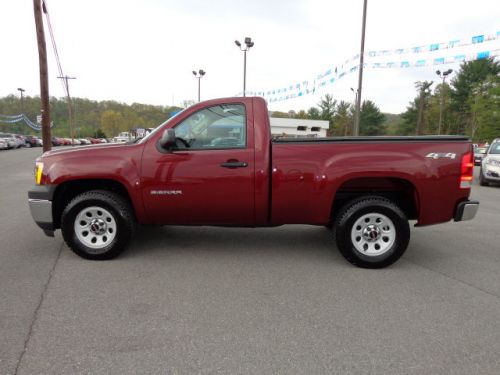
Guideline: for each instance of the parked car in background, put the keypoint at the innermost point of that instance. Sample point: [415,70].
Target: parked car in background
[57,141]
[30,141]
[123,137]
[490,165]
[3,144]
[479,153]
[84,141]
[94,141]
[21,141]
[10,139]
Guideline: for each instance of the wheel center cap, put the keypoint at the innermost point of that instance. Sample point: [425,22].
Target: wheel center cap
[371,233]
[98,226]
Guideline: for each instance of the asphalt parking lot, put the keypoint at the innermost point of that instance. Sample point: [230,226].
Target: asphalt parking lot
[245,301]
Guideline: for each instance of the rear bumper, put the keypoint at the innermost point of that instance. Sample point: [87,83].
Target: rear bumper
[40,202]
[466,210]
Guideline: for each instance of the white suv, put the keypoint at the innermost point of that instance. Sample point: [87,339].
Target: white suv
[490,166]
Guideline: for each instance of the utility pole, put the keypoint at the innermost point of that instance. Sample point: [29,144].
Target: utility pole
[360,77]
[70,108]
[44,76]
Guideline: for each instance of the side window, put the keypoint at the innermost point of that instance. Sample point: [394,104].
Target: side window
[221,126]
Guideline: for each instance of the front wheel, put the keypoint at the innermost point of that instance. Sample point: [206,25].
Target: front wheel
[482,180]
[98,224]
[372,232]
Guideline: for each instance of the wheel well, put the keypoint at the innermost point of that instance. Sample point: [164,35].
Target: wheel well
[399,191]
[69,190]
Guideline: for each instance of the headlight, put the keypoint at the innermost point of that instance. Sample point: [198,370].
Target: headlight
[38,172]
[493,162]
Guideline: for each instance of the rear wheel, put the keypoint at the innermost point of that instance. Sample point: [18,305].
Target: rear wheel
[372,232]
[98,224]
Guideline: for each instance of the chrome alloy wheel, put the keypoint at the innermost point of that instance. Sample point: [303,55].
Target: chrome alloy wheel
[373,234]
[95,227]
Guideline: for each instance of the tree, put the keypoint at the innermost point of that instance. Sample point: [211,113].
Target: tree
[392,123]
[440,98]
[302,114]
[112,123]
[279,114]
[424,93]
[371,119]
[342,120]
[327,107]
[470,75]
[313,113]
[409,124]
[88,114]
[484,102]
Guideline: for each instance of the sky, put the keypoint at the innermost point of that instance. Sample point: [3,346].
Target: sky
[145,51]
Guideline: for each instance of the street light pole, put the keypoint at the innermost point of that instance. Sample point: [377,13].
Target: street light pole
[443,75]
[355,116]
[360,77]
[249,44]
[22,98]
[199,75]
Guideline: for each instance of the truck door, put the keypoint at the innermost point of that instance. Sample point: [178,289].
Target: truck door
[208,178]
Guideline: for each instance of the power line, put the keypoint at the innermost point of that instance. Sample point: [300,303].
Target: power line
[54,46]
[64,78]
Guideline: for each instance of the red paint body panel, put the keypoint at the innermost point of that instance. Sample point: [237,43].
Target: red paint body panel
[307,176]
[117,162]
[283,182]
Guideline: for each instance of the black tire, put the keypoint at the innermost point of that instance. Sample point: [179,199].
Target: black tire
[482,180]
[372,208]
[115,207]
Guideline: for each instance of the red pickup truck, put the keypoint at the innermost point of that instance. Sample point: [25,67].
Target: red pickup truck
[216,163]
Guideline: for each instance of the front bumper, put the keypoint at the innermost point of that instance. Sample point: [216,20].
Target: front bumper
[491,172]
[466,210]
[40,202]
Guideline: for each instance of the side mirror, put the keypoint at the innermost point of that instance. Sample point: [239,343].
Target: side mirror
[167,140]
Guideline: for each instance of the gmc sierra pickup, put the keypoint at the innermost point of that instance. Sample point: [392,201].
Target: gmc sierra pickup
[216,164]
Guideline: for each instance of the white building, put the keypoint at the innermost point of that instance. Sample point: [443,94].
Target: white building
[294,128]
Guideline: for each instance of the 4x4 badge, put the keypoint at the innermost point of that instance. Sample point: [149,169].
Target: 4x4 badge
[437,155]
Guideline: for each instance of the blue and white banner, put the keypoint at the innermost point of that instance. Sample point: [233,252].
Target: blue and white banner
[7,119]
[453,51]
[456,43]
[310,86]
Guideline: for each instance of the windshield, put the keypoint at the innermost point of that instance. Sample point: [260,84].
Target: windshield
[155,130]
[480,150]
[494,148]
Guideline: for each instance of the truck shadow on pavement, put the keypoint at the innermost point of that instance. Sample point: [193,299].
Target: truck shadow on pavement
[291,240]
